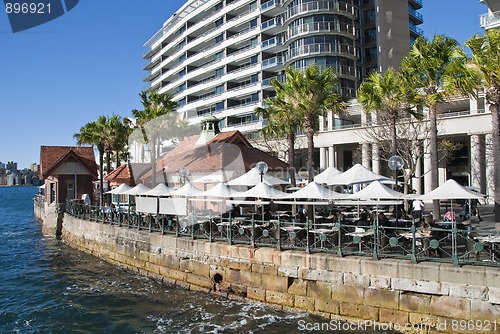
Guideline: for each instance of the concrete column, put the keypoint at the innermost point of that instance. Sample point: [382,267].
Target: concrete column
[490,184]
[331,156]
[363,118]
[322,157]
[375,158]
[331,120]
[365,155]
[417,181]
[321,124]
[473,105]
[427,167]
[475,161]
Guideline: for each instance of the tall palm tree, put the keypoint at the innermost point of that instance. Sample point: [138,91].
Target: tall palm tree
[119,129]
[155,105]
[93,134]
[283,120]
[486,58]
[437,68]
[386,94]
[312,93]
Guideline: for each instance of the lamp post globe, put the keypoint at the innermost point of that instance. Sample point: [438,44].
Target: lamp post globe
[395,163]
[262,167]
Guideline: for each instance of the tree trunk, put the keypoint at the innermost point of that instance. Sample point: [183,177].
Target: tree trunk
[434,159]
[101,178]
[153,162]
[291,157]
[117,159]
[108,161]
[394,150]
[493,97]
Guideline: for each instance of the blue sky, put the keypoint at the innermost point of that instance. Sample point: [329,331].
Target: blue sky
[56,77]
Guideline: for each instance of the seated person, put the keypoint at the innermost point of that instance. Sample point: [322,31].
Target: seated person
[363,220]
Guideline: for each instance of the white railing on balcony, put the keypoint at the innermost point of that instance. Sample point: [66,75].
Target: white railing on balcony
[324,6]
[323,27]
[330,48]
[492,19]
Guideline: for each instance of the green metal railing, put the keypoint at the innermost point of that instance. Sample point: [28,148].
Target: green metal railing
[449,245]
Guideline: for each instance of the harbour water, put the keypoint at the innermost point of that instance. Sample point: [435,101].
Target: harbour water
[48,287]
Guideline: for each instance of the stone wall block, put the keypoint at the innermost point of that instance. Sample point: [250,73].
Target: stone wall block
[494,295]
[319,261]
[352,294]
[298,287]
[268,255]
[414,302]
[491,277]
[288,272]
[411,285]
[472,275]
[388,299]
[344,264]
[305,303]
[327,305]
[251,279]
[319,290]
[359,311]
[380,282]
[202,281]
[195,267]
[178,275]
[256,294]
[279,298]
[424,320]
[394,316]
[321,275]
[238,289]
[354,279]
[418,271]
[453,307]
[268,269]
[383,267]
[294,259]
[468,291]
[275,283]
[483,310]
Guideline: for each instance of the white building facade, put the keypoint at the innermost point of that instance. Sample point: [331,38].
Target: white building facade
[219,56]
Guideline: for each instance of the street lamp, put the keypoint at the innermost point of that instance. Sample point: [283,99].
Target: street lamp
[396,163]
[262,167]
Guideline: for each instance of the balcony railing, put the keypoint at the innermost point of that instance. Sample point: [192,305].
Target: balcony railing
[401,239]
[322,6]
[490,19]
[319,48]
[323,27]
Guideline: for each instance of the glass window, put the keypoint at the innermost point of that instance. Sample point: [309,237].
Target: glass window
[182,59]
[219,106]
[182,87]
[253,23]
[218,6]
[219,38]
[219,22]
[182,73]
[219,72]
[253,41]
[219,55]
[253,60]
[219,89]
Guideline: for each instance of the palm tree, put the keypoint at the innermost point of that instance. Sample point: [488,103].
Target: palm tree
[437,69]
[155,105]
[486,58]
[386,94]
[93,134]
[283,120]
[119,129]
[312,93]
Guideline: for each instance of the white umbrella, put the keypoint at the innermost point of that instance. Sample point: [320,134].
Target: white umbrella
[137,190]
[263,190]
[451,190]
[187,190]
[376,190]
[253,177]
[220,190]
[357,174]
[314,191]
[327,174]
[160,190]
[120,190]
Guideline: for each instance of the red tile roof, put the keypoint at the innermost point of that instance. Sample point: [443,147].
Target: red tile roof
[123,174]
[227,150]
[52,156]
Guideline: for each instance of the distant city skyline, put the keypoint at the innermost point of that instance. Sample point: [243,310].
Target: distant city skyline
[63,74]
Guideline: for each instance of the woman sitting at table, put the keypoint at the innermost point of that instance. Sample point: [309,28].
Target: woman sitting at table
[426,229]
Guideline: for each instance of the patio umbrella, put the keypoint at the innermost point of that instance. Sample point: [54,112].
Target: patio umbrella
[327,174]
[253,177]
[263,190]
[137,190]
[160,190]
[187,190]
[357,174]
[220,190]
[451,189]
[314,191]
[120,190]
[376,190]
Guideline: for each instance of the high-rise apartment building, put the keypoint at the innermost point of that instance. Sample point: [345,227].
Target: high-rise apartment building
[219,56]
[491,19]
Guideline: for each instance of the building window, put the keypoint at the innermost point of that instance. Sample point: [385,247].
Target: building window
[219,72]
[182,58]
[219,106]
[254,41]
[253,23]
[219,89]
[219,38]
[218,6]
[253,60]
[219,22]
[182,73]
[181,87]
[219,55]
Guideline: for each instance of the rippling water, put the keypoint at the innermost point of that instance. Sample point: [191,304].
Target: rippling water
[48,287]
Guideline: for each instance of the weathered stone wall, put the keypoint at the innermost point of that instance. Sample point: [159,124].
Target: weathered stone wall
[351,288]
